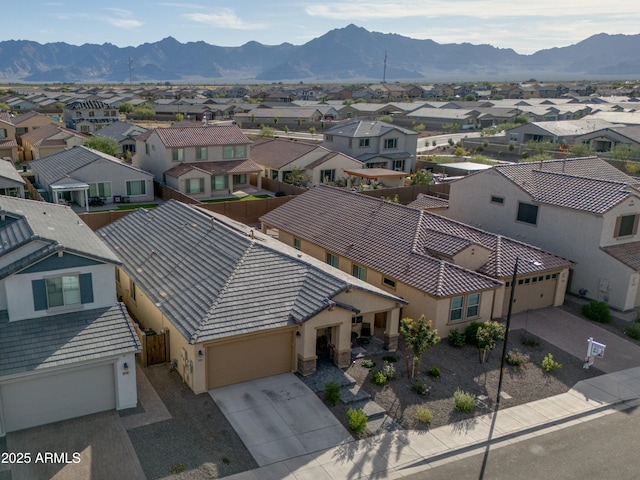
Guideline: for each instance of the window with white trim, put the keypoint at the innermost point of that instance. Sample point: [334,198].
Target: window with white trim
[296,243]
[177,154]
[332,259]
[234,151]
[463,308]
[626,225]
[390,143]
[220,182]
[364,142]
[328,175]
[473,305]
[100,189]
[63,291]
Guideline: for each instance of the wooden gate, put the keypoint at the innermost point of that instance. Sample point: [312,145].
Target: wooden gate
[156,349]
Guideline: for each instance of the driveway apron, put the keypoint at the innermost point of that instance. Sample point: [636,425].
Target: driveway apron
[279,417]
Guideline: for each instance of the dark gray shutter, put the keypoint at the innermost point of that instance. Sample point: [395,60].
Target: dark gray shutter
[86,288]
[39,288]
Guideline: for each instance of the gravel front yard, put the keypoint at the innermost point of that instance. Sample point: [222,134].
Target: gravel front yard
[460,369]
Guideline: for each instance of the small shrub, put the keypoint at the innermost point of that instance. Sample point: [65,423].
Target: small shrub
[464,402]
[517,358]
[177,468]
[530,340]
[389,371]
[368,363]
[471,333]
[597,311]
[423,414]
[280,194]
[390,359]
[357,420]
[332,392]
[379,378]
[456,338]
[633,331]
[434,372]
[420,387]
[549,364]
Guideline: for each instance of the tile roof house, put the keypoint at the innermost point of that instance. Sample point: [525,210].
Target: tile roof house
[124,133]
[88,116]
[278,156]
[201,161]
[563,131]
[67,348]
[48,140]
[606,139]
[451,272]
[80,175]
[29,121]
[11,182]
[239,305]
[376,144]
[581,208]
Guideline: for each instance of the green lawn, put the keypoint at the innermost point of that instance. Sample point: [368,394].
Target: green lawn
[236,199]
[133,207]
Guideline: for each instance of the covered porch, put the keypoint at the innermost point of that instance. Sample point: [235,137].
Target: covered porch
[70,191]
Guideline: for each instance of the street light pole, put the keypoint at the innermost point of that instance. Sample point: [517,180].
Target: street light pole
[506,333]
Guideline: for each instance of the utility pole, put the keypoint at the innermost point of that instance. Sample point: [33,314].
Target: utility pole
[130,68]
[384,72]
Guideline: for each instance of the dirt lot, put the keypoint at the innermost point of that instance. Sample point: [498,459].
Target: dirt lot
[461,369]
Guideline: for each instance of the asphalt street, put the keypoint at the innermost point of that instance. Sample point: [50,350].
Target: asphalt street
[603,448]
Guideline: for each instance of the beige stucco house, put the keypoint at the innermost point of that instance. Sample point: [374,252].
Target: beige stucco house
[450,272]
[201,161]
[278,157]
[238,304]
[581,208]
[49,139]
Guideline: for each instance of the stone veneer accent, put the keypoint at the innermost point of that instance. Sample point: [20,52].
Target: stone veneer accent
[342,359]
[306,367]
[391,341]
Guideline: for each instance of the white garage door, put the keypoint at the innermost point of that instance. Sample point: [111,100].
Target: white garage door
[55,397]
[532,292]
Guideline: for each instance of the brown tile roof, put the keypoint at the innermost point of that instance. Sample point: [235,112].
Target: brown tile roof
[428,202]
[627,253]
[587,183]
[202,136]
[215,168]
[376,234]
[35,137]
[276,153]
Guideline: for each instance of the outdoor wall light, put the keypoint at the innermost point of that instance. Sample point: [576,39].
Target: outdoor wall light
[200,353]
[298,334]
[125,366]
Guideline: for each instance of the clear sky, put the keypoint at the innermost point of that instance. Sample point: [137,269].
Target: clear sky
[524,26]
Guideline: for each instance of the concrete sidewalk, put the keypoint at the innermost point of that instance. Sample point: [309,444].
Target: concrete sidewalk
[398,454]
[402,453]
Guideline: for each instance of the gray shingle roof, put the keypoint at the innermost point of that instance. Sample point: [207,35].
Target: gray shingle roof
[66,339]
[587,183]
[57,227]
[8,171]
[402,242]
[365,128]
[120,131]
[56,167]
[213,279]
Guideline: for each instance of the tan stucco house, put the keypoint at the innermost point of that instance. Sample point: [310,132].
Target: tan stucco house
[580,208]
[237,304]
[450,272]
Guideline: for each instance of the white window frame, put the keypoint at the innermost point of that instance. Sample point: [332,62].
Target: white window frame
[71,297]
[177,155]
[201,153]
[128,190]
[188,185]
[359,271]
[96,185]
[390,143]
[329,259]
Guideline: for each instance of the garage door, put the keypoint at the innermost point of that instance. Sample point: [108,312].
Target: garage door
[249,358]
[55,397]
[532,293]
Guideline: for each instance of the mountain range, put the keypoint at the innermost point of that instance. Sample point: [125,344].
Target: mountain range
[348,54]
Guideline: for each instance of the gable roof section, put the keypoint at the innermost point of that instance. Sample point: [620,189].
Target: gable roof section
[57,227]
[215,168]
[384,236]
[54,341]
[276,153]
[428,202]
[587,183]
[58,166]
[627,253]
[37,136]
[201,136]
[363,128]
[213,278]
[8,171]
[120,131]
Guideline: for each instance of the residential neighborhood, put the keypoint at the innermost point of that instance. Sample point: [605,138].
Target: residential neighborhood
[198,269]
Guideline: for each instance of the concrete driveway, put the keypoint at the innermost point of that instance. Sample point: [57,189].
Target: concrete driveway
[279,418]
[570,333]
[100,441]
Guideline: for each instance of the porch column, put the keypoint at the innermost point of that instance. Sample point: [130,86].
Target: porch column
[86,199]
[259,183]
[342,344]
[230,182]
[391,329]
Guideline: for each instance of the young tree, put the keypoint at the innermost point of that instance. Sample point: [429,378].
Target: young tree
[580,150]
[295,177]
[487,335]
[418,337]
[624,151]
[386,119]
[421,177]
[104,145]
[125,107]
